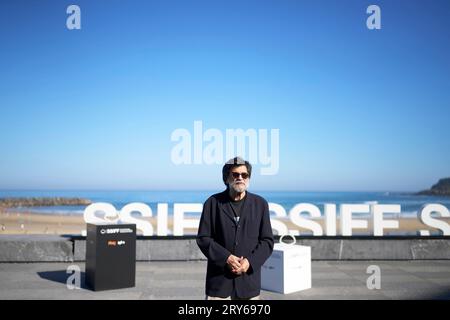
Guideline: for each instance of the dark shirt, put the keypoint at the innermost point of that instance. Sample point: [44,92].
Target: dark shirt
[236,206]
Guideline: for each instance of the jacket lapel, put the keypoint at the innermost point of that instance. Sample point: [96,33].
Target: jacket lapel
[226,206]
[247,207]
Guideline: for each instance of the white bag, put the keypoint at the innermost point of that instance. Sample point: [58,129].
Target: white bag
[288,269]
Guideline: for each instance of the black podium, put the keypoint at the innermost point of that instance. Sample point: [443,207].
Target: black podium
[110,256]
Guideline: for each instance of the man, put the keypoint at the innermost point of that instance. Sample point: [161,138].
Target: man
[235,235]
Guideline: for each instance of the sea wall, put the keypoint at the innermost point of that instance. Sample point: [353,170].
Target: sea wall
[42,248]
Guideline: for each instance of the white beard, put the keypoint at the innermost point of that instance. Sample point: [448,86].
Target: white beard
[239,188]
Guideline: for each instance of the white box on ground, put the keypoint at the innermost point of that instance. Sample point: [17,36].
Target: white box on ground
[288,269]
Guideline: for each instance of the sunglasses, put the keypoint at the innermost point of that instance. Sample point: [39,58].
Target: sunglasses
[236,175]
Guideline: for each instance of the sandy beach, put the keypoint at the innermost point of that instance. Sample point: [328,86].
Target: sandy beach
[32,223]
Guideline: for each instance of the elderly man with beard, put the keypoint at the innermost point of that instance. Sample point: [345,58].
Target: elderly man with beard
[235,235]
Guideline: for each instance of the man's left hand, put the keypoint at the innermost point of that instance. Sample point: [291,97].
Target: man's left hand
[245,265]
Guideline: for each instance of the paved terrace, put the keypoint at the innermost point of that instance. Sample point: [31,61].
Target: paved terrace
[185,280]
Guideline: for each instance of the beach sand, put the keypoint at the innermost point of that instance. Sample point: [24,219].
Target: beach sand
[32,223]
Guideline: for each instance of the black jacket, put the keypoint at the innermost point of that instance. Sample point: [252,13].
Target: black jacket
[219,236]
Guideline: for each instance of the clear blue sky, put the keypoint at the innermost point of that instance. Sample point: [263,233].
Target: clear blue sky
[95,108]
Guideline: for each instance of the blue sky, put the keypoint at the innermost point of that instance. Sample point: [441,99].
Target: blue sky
[357,109]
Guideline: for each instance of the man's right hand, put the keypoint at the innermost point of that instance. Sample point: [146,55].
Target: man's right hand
[233,262]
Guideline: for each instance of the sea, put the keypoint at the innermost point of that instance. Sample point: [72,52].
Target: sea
[409,202]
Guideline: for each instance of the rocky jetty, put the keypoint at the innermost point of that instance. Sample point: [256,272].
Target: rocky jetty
[42,202]
[442,188]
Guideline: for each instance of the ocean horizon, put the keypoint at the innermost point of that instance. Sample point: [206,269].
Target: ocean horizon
[409,202]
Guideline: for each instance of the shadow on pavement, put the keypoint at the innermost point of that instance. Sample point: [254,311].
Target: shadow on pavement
[62,276]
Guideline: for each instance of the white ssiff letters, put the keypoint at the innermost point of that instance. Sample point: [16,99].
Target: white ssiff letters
[302,215]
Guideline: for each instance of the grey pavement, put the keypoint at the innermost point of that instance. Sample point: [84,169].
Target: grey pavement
[175,280]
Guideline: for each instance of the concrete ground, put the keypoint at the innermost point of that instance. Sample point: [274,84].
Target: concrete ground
[185,280]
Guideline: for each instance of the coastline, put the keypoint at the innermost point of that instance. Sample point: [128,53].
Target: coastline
[33,223]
